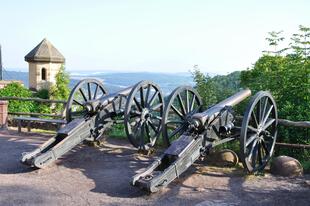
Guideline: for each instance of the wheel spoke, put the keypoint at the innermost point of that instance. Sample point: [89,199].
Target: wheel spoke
[156,117]
[255,119]
[265,106]
[255,151]
[135,112]
[187,102]
[137,103]
[252,128]
[77,102]
[192,102]
[96,89]
[264,146]
[84,97]
[177,111]
[89,91]
[250,140]
[142,97]
[137,127]
[268,124]
[153,98]
[182,104]
[195,110]
[152,126]
[135,122]
[252,149]
[267,115]
[147,94]
[142,136]
[147,129]
[157,107]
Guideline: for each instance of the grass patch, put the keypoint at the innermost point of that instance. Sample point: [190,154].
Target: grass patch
[117,131]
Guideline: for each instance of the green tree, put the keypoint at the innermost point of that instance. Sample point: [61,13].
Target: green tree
[288,78]
[274,39]
[61,90]
[205,87]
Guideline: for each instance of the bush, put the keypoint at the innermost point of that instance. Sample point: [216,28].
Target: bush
[15,89]
[40,107]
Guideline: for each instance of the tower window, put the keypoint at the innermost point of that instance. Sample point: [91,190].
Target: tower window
[43,74]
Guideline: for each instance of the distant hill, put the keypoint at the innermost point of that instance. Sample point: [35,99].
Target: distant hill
[116,81]
[14,75]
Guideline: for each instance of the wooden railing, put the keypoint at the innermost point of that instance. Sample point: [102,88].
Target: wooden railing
[289,123]
[47,101]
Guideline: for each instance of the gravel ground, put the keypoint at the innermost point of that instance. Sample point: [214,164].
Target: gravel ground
[100,176]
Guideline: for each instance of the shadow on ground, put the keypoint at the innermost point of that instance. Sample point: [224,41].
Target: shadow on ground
[12,144]
[101,175]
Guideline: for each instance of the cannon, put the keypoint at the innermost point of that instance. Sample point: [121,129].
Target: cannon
[90,111]
[191,133]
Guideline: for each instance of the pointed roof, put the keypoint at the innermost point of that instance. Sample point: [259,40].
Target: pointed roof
[45,52]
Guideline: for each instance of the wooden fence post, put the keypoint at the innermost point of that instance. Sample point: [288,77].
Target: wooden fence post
[3,114]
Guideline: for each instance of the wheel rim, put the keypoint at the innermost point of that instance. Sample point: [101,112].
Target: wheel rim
[183,102]
[259,132]
[84,91]
[143,115]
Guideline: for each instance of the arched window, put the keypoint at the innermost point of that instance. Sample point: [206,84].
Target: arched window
[43,74]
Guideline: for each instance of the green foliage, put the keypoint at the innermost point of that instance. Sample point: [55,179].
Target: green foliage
[205,87]
[40,107]
[215,89]
[61,90]
[287,77]
[43,94]
[285,72]
[274,40]
[117,131]
[15,89]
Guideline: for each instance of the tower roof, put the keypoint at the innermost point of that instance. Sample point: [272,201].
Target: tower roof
[45,52]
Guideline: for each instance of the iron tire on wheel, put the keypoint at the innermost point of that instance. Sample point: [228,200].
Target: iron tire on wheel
[143,115]
[190,107]
[258,132]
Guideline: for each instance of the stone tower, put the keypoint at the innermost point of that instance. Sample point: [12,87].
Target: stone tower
[44,63]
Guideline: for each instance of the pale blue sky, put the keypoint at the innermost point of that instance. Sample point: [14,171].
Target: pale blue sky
[144,35]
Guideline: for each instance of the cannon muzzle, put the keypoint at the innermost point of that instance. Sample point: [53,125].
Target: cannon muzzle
[200,119]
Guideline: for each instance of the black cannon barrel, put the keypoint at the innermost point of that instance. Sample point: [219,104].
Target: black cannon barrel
[91,106]
[200,119]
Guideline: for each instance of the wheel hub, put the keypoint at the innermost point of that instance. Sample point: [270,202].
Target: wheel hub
[145,114]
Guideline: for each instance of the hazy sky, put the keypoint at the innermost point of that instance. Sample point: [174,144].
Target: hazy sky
[145,35]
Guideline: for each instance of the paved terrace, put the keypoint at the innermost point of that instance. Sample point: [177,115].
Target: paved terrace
[100,176]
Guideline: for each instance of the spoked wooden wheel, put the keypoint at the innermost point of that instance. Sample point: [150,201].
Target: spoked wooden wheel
[258,132]
[143,115]
[84,91]
[182,103]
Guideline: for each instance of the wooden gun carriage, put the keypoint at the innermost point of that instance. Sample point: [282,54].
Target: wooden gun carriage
[91,110]
[191,133]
